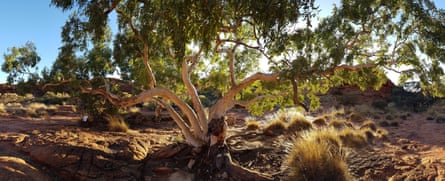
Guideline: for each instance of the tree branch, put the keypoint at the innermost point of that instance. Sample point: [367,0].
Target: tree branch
[145,56]
[202,120]
[225,103]
[112,7]
[181,123]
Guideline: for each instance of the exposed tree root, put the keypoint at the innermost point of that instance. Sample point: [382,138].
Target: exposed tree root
[214,163]
[218,160]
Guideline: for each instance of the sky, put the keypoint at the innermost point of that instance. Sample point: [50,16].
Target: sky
[37,21]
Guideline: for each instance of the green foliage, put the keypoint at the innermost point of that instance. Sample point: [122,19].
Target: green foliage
[19,62]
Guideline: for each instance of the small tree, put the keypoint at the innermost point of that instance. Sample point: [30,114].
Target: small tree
[173,49]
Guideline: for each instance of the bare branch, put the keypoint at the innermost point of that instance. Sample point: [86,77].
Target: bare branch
[112,7]
[225,103]
[194,93]
[144,54]
[181,123]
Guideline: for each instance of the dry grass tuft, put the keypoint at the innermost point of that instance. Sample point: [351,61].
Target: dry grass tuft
[369,124]
[352,138]
[298,123]
[116,123]
[252,124]
[337,113]
[36,109]
[274,128]
[369,134]
[310,160]
[338,123]
[356,117]
[3,108]
[320,121]
[382,134]
[328,135]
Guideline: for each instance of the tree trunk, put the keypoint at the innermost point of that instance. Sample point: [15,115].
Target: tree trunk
[217,159]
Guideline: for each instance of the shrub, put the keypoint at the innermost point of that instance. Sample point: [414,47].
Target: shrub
[298,123]
[309,160]
[276,127]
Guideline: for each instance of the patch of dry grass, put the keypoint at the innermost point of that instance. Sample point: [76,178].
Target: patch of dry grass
[328,135]
[298,123]
[309,160]
[116,123]
[274,128]
[352,138]
[3,108]
[35,109]
[252,124]
[320,121]
[369,124]
[338,123]
[356,117]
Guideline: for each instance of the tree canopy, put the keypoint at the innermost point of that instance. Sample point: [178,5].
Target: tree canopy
[171,51]
[20,62]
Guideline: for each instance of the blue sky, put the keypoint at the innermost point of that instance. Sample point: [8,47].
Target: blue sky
[37,21]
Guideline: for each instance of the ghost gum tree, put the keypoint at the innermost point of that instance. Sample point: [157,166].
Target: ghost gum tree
[173,49]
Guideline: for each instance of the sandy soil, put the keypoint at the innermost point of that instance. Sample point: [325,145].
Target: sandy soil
[56,148]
